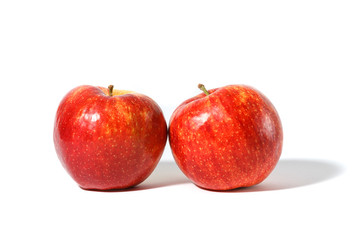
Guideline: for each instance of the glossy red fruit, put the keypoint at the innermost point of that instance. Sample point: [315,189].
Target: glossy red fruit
[226,138]
[108,139]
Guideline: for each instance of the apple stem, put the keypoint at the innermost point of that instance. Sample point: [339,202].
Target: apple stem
[202,87]
[111,88]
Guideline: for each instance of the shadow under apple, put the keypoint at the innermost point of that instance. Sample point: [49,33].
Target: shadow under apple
[293,173]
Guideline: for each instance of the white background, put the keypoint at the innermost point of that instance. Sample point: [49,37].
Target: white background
[303,55]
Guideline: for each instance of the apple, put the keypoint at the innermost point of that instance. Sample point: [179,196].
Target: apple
[108,139]
[226,138]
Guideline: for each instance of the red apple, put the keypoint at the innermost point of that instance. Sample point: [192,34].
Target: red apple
[108,139]
[226,138]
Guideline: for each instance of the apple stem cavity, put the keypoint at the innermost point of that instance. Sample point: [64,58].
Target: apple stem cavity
[202,87]
[111,88]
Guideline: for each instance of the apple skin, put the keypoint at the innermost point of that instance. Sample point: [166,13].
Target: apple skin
[108,142]
[228,139]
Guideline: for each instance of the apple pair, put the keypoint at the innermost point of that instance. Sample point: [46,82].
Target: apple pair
[221,139]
